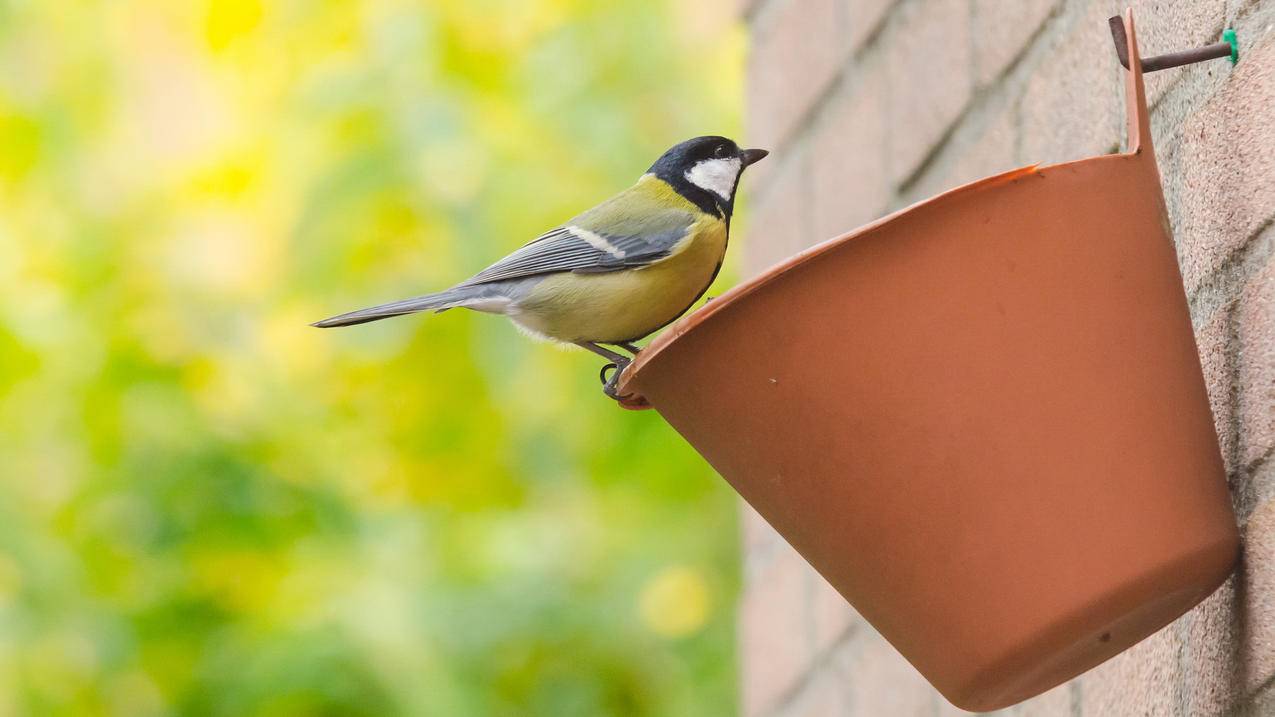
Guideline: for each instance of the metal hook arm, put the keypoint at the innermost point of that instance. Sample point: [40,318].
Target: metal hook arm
[1229,48]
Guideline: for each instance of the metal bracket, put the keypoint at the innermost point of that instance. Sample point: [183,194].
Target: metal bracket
[1229,47]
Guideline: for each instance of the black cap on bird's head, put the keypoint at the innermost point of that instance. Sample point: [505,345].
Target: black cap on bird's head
[706,170]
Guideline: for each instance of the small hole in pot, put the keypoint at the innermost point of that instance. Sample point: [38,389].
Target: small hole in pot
[1104,637]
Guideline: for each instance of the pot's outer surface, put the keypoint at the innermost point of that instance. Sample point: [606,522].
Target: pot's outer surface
[982,419]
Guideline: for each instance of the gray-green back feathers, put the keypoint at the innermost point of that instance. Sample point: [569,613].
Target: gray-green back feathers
[635,228]
[629,230]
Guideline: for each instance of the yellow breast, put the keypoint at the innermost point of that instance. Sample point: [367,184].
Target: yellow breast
[627,305]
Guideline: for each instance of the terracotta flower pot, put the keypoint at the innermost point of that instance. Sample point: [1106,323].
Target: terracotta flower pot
[982,419]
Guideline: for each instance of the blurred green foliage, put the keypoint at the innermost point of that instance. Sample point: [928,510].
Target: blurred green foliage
[208,507]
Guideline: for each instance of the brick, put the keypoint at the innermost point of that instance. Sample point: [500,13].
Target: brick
[1140,682]
[1224,193]
[1255,372]
[973,155]
[1170,26]
[991,153]
[847,140]
[1235,7]
[1002,31]
[1213,341]
[823,696]
[745,8]
[1261,480]
[1073,106]
[863,17]
[759,537]
[880,681]
[1261,705]
[797,50]
[1192,86]
[850,184]
[1054,703]
[831,616]
[779,223]
[774,646]
[1258,574]
[930,78]
[1213,677]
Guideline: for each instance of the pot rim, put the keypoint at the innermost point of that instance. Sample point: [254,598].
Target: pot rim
[1140,148]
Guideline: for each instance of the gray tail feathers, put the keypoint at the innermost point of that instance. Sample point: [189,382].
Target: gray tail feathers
[441,301]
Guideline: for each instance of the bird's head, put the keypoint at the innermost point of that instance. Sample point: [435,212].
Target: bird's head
[706,170]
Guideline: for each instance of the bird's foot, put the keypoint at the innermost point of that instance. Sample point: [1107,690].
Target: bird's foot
[610,376]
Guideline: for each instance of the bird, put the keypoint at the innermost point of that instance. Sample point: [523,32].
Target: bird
[615,273]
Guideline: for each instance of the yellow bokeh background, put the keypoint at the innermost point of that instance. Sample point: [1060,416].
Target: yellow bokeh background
[208,507]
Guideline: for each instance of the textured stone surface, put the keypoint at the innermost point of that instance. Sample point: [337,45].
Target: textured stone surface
[1170,26]
[1258,576]
[745,8]
[863,17]
[1073,106]
[797,48]
[1255,374]
[773,631]
[759,537]
[847,187]
[831,615]
[1262,705]
[824,695]
[983,150]
[923,95]
[1002,31]
[927,64]
[882,682]
[1139,682]
[1226,161]
[780,220]
[1213,342]
[1213,674]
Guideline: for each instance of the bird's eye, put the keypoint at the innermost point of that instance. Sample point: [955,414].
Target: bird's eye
[721,150]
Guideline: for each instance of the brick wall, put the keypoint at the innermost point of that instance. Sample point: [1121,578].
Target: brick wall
[870,105]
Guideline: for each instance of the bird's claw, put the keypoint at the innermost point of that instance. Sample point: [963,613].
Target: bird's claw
[610,383]
[603,376]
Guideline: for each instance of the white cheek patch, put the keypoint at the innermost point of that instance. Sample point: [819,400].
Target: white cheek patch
[716,175]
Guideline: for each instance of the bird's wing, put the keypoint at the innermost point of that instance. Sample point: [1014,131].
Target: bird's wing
[624,232]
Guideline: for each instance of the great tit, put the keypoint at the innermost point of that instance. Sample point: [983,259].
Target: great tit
[616,273]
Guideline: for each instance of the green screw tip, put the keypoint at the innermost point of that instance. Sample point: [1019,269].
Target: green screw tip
[1230,38]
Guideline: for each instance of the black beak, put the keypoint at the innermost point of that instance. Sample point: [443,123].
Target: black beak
[752,156]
